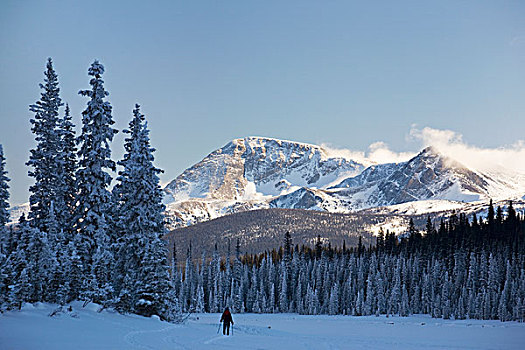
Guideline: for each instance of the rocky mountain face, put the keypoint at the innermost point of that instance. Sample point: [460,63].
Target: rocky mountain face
[429,175]
[248,174]
[271,165]
[259,173]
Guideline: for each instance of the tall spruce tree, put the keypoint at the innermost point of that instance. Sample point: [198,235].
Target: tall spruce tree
[92,182]
[29,266]
[490,214]
[43,158]
[4,232]
[65,196]
[140,225]
[4,191]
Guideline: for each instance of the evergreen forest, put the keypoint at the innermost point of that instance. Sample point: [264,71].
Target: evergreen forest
[461,269]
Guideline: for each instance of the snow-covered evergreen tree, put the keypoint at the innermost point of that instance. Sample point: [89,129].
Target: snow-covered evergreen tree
[92,182]
[140,226]
[4,192]
[41,263]
[4,231]
[64,201]
[44,157]
[30,266]
[334,300]
[283,290]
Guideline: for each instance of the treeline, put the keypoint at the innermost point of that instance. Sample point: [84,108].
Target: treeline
[461,269]
[81,240]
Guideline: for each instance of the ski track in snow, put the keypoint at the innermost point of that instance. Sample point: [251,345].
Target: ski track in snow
[212,340]
[133,338]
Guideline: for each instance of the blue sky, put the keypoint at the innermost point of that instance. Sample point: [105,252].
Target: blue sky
[342,72]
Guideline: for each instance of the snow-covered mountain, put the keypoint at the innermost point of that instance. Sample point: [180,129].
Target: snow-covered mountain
[258,173]
[429,175]
[17,211]
[253,166]
[248,174]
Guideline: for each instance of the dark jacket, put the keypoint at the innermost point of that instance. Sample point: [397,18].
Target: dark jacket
[227,317]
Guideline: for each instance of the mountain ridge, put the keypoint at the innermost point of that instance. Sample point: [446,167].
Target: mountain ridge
[262,172]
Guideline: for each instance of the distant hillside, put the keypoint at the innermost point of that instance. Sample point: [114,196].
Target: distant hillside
[258,230]
[262,229]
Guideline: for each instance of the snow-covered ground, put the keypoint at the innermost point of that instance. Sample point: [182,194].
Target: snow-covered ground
[85,328]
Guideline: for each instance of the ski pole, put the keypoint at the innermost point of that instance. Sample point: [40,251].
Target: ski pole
[232,329]
[218,329]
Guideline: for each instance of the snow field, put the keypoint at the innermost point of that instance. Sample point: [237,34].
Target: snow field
[85,328]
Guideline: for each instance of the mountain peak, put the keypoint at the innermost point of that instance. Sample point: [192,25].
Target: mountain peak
[432,157]
[430,151]
[257,141]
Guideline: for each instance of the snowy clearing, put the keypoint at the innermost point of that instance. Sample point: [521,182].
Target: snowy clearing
[32,328]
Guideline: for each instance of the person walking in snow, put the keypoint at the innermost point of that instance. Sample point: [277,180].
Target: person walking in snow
[227,318]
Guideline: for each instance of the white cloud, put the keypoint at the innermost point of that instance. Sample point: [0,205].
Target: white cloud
[451,144]
[447,142]
[378,152]
[334,152]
